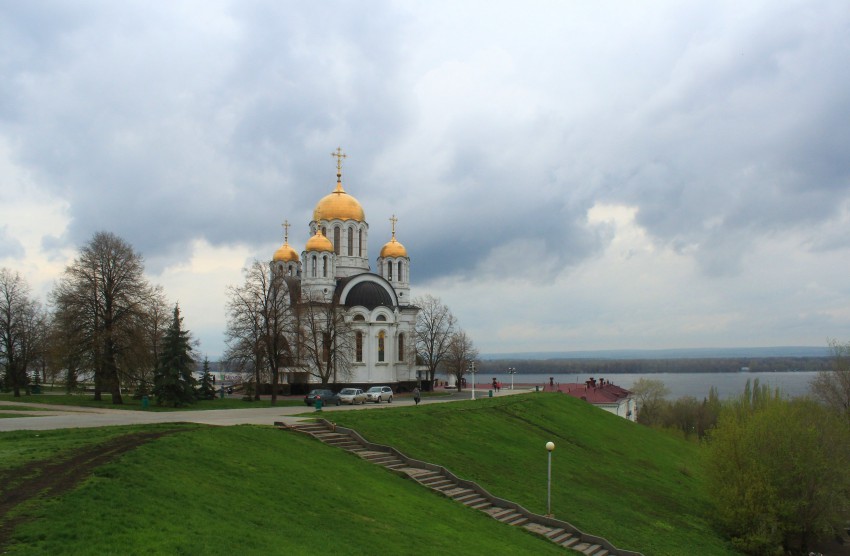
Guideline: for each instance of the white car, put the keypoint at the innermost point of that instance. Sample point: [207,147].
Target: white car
[378,394]
[352,396]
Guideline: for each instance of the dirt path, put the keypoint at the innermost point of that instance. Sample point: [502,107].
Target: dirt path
[53,477]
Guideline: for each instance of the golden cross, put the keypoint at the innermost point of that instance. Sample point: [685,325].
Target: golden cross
[393,220]
[285,231]
[339,156]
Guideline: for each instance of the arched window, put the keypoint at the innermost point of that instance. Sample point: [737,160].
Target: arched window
[390,271]
[314,266]
[401,347]
[359,243]
[359,318]
[381,345]
[336,240]
[400,278]
[381,318]
[358,347]
[325,266]
[350,250]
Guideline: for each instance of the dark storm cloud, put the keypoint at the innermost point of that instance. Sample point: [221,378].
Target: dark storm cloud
[213,134]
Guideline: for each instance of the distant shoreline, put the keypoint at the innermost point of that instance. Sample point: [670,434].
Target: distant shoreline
[678,353]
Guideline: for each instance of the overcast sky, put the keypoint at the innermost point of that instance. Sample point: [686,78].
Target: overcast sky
[566,175]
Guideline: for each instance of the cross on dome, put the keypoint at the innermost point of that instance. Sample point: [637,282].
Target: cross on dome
[339,156]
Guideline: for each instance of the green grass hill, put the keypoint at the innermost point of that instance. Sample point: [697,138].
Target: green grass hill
[640,488]
[250,490]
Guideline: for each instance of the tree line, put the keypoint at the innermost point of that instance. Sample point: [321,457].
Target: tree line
[776,466]
[105,323]
[107,326]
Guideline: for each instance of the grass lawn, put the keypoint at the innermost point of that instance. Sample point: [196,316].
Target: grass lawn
[641,489]
[248,490]
[87,400]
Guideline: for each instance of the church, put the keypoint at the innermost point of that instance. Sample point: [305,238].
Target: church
[367,318]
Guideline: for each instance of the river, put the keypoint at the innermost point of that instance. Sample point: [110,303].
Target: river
[791,384]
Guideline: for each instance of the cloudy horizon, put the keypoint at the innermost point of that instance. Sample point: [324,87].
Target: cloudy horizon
[566,176]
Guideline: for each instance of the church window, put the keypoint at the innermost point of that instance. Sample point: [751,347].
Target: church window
[401,347]
[324,231]
[390,271]
[400,279]
[359,243]
[314,266]
[359,318]
[336,240]
[358,347]
[381,345]
[350,241]
[324,267]
[381,318]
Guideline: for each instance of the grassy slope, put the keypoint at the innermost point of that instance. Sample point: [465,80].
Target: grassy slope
[637,487]
[249,490]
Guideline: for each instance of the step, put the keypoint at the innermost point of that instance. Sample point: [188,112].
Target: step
[538,529]
[496,512]
[475,500]
[483,505]
[590,549]
[517,520]
[437,482]
[508,516]
[458,492]
[466,496]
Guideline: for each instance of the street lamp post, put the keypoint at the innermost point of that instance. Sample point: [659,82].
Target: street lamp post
[512,372]
[472,369]
[550,446]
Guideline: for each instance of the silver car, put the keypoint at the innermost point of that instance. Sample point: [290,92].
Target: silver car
[352,396]
[378,394]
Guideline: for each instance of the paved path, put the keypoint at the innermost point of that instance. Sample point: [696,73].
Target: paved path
[69,417]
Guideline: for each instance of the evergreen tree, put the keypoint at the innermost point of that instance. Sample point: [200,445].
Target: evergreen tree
[173,381]
[207,390]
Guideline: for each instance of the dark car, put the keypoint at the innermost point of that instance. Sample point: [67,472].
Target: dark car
[327,397]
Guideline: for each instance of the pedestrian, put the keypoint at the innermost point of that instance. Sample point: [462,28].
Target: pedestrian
[416,395]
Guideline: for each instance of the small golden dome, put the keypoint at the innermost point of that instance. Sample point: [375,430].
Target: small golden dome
[339,205]
[393,248]
[319,242]
[285,254]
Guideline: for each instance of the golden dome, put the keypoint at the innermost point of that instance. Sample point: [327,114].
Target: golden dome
[319,242]
[393,248]
[285,254]
[339,205]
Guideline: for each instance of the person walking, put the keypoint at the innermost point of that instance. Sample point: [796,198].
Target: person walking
[416,395]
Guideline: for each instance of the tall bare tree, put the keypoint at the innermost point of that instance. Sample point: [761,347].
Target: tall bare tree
[435,326]
[326,339]
[261,324]
[833,386]
[23,329]
[460,355]
[102,295]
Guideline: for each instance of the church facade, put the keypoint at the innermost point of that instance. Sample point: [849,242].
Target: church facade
[373,337]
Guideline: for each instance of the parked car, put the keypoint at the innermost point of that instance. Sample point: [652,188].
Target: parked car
[327,397]
[352,396]
[378,394]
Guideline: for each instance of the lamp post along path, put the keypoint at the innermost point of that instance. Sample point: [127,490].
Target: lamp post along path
[550,447]
[472,369]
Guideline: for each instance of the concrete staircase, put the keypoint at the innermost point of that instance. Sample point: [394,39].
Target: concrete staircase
[465,492]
